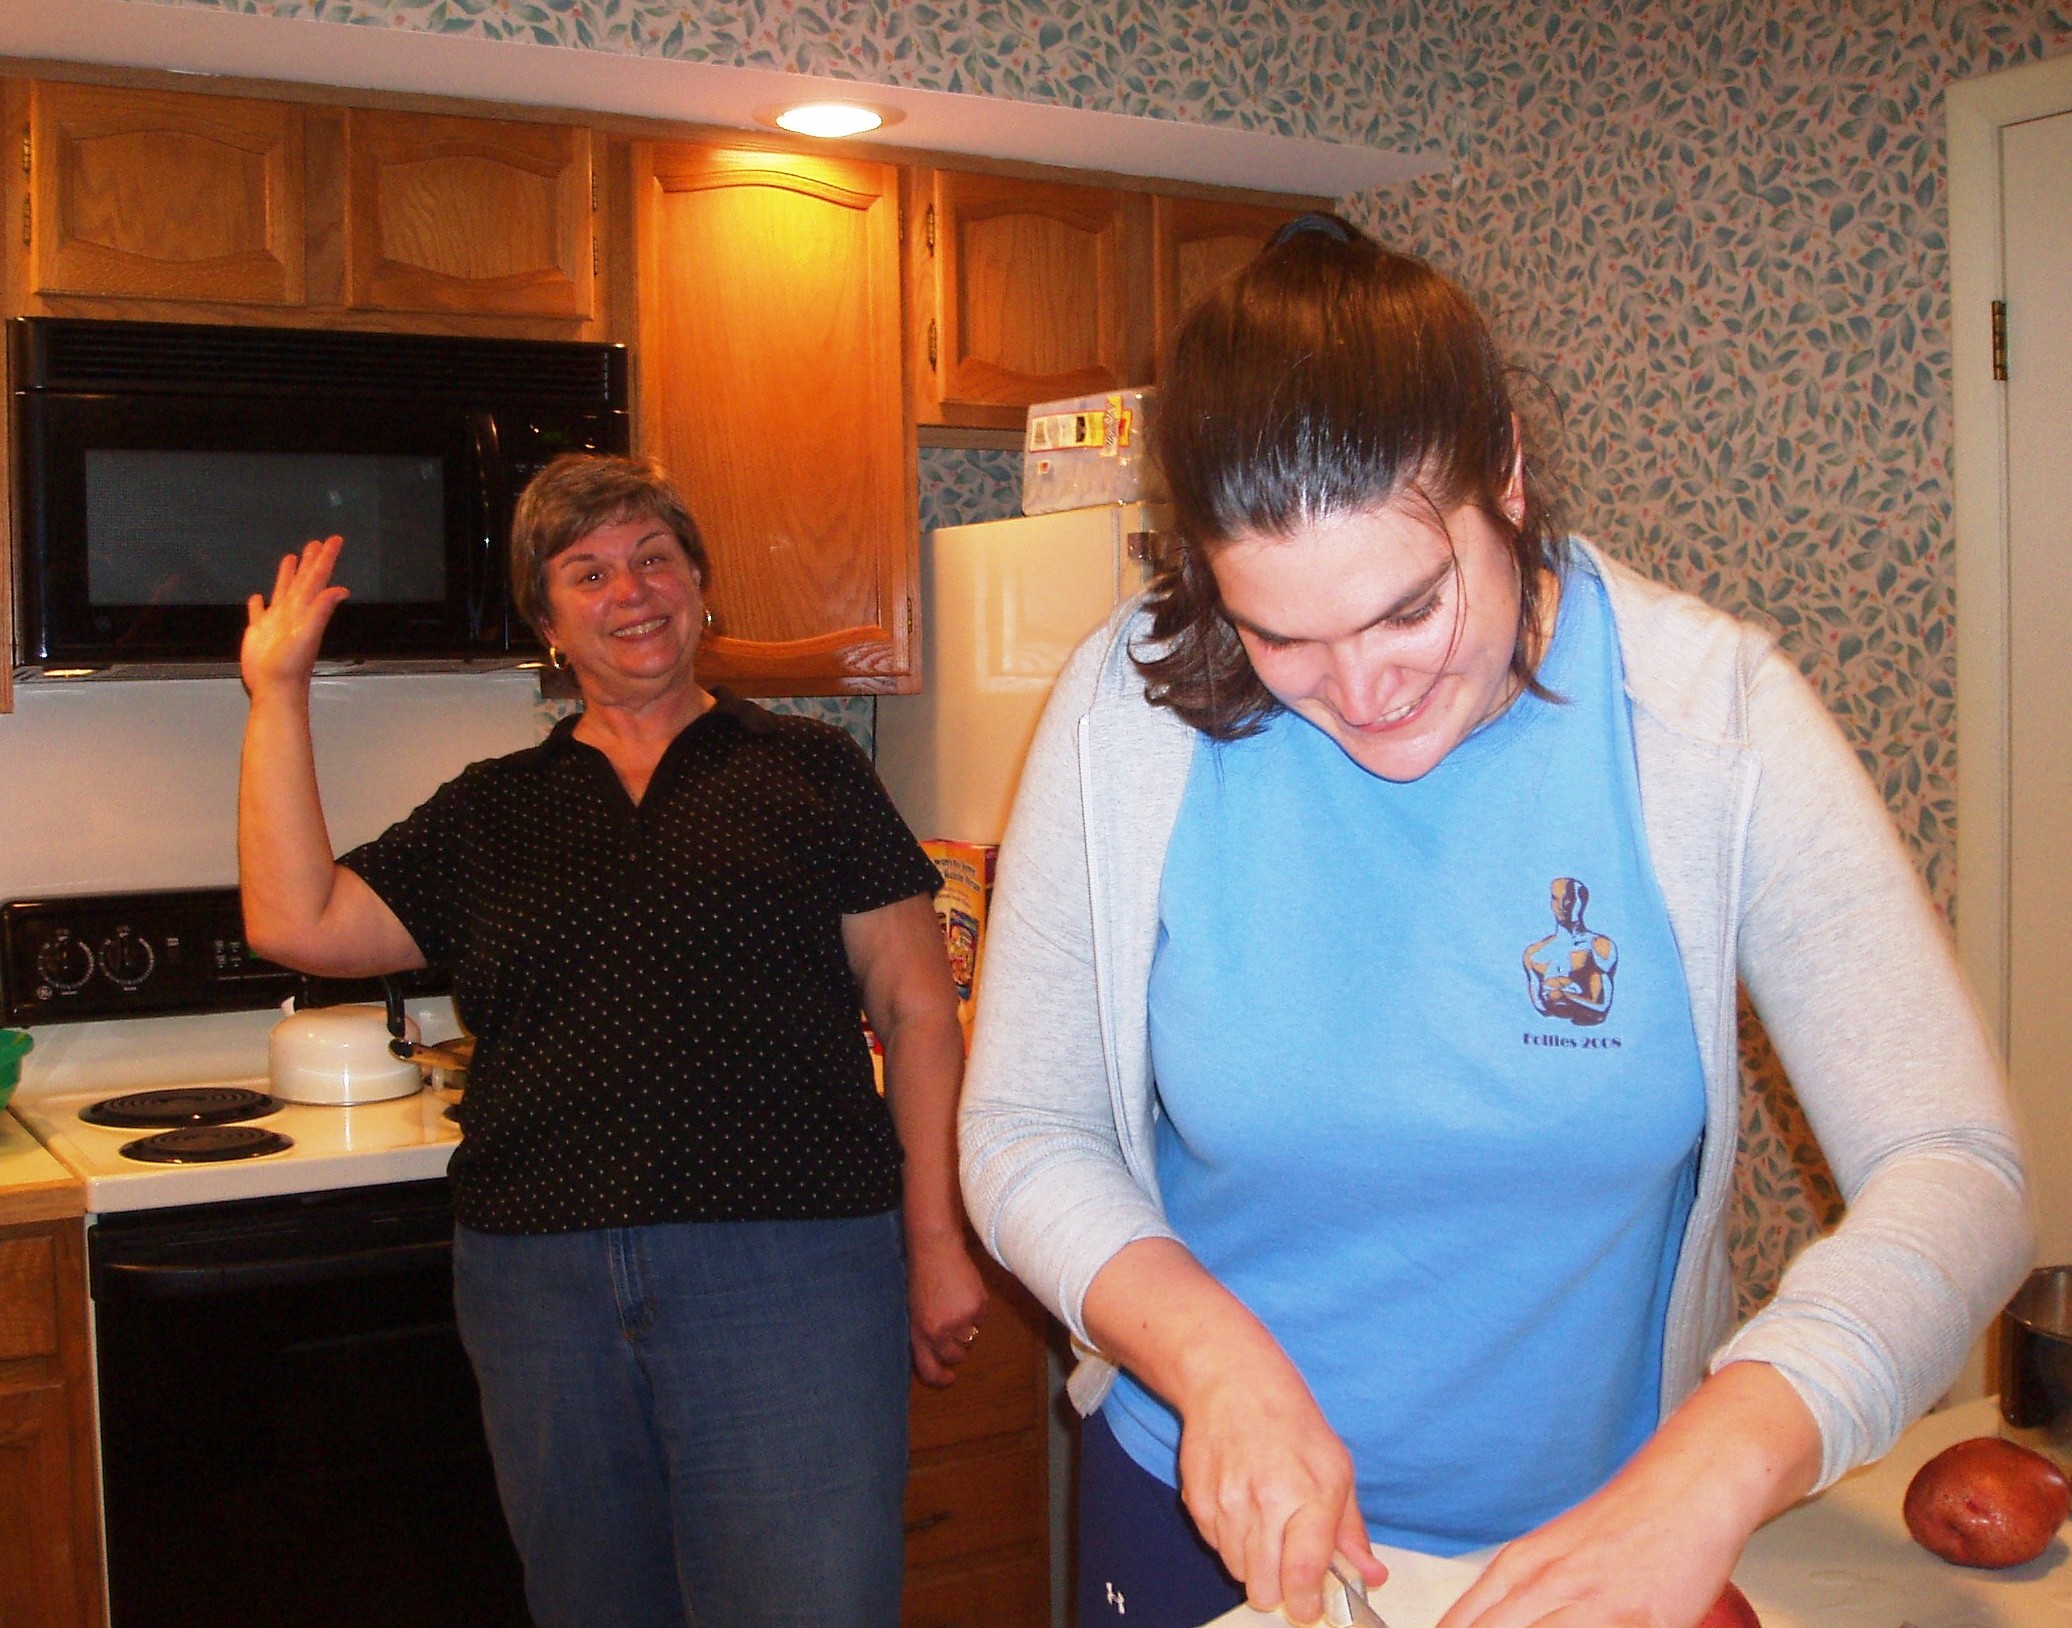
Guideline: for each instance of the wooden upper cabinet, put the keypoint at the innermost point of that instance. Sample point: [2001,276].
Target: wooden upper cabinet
[1195,244]
[476,216]
[1027,291]
[161,195]
[769,386]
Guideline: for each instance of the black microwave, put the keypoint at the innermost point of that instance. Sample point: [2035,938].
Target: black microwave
[162,470]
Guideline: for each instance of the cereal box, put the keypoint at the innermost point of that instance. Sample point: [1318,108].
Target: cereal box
[967,886]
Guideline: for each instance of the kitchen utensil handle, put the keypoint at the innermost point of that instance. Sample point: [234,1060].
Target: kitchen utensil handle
[1363,1615]
[153,1281]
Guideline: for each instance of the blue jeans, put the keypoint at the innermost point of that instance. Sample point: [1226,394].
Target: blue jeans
[701,1424]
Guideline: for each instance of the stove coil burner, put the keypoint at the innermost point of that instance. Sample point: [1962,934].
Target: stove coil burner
[206,1144]
[179,1105]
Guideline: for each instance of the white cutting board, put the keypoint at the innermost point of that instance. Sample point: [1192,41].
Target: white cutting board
[1842,1560]
[1419,1589]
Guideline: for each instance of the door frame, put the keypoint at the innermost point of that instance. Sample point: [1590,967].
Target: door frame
[1976,111]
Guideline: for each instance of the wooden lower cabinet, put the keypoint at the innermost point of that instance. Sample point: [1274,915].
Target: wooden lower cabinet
[50,1557]
[978,1489]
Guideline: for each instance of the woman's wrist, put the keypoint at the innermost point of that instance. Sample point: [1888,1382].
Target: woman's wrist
[1759,1447]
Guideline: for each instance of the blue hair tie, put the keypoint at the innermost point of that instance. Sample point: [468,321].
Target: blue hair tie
[1323,225]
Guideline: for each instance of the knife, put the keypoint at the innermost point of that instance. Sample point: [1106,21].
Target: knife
[1357,1609]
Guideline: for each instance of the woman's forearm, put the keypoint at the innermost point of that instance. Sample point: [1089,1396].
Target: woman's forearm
[285,865]
[1262,1474]
[1155,1309]
[924,1071]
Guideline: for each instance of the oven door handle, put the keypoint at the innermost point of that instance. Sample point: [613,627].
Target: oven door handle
[156,1281]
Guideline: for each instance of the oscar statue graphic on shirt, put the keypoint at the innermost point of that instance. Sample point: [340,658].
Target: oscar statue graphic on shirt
[1568,974]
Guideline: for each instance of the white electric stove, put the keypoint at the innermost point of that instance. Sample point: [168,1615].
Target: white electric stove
[155,993]
[272,1333]
[402,1139]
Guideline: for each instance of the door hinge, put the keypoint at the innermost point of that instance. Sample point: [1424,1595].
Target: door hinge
[2000,340]
[931,344]
[928,230]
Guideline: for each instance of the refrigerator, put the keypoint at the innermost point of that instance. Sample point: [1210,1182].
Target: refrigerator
[1003,604]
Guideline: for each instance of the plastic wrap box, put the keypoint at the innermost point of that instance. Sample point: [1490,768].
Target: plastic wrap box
[1089,450]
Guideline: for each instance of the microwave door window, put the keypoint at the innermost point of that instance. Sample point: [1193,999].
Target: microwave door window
[209,528]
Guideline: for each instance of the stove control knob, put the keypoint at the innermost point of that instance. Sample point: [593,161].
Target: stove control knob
[65,963]
[126,958]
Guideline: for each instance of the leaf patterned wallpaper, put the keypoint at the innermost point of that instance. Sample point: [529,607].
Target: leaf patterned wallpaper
[1713,229]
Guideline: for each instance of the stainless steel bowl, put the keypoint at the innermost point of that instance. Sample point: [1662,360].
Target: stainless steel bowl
[2036,1364]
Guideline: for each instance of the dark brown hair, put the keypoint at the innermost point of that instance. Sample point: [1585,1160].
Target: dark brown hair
[578,493]
[1328,377]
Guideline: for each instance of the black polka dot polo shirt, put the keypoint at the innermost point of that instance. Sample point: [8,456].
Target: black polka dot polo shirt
[667,1026]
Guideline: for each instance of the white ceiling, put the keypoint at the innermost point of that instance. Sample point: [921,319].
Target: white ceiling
[197,40]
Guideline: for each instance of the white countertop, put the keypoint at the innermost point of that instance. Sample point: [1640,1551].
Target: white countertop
[1842,1560]
[33,1185]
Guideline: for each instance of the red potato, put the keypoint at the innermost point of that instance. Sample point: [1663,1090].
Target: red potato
[1987,1502]
[1731,1610]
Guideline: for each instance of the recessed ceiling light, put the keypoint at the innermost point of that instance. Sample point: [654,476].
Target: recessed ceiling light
[830,120]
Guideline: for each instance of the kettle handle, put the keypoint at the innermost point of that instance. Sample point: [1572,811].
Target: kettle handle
[392,996]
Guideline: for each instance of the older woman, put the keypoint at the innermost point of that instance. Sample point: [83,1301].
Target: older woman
[1357,1069]
[680,1266]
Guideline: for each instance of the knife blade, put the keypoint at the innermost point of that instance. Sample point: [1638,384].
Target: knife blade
[1348,1578]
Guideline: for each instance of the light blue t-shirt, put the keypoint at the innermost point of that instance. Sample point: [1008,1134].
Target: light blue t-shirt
[1431,1096]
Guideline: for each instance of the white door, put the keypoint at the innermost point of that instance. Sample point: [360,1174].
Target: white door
[2036,212]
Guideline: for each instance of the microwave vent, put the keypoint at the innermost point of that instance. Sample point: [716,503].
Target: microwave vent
[77,356]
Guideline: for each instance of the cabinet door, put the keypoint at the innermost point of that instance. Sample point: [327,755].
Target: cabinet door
[770,388]
[1026,296]
[160,195]
[50,1558]
[978,1490]
[1195,244]
[468,215]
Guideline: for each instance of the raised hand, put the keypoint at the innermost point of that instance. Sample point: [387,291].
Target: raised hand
[284,633]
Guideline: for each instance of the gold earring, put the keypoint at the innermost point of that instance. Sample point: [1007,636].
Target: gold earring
[708,618]
[556,660]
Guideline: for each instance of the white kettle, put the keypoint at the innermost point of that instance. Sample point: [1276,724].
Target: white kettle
[341,1055]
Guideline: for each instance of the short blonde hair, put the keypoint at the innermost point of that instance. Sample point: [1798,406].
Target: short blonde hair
[581,492]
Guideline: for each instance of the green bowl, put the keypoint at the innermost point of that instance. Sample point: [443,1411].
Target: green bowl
[15,1044]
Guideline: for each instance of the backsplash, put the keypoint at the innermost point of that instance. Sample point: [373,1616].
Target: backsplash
[108,784]
[1714,228]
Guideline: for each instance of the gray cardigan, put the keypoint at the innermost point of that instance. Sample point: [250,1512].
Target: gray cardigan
[1780,867]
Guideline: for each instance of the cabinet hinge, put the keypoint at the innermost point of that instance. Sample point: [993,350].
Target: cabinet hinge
[596,258]
[27,152]
[928,230]
[28,239]
[901,217]
[593,192]
[910,624]
[931,344]
[2000,340]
